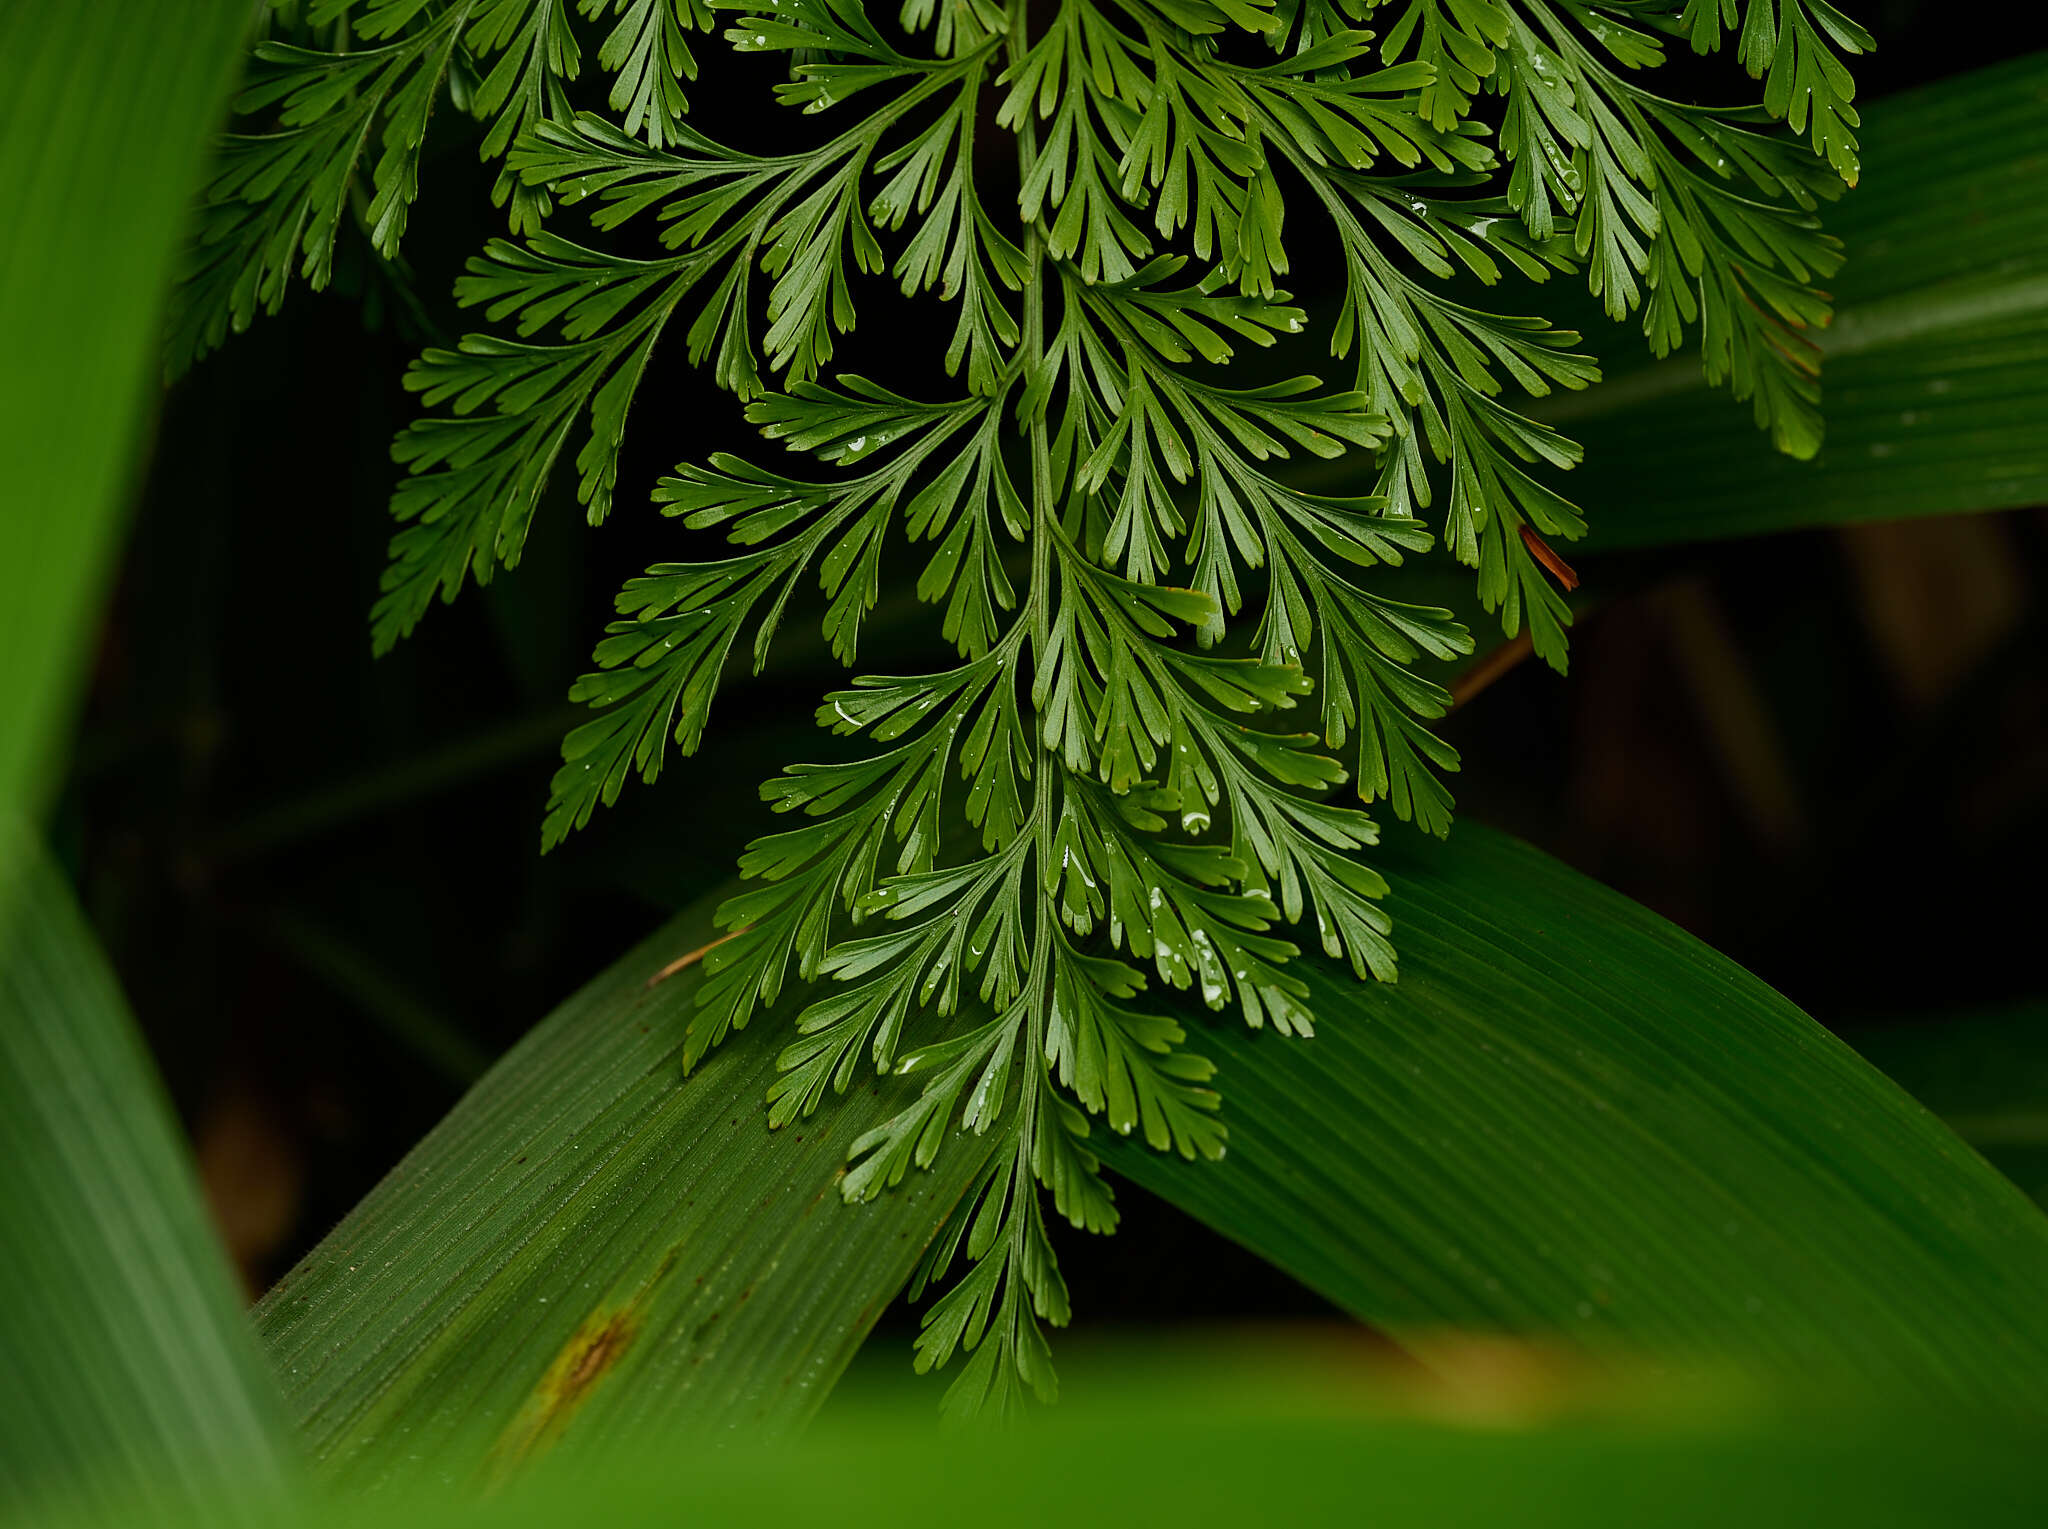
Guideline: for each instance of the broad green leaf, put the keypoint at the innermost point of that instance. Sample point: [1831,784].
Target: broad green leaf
[129,1370]
[1935,370]
[1202,1438]
[592,1242]
[105,112]
[1569,1117]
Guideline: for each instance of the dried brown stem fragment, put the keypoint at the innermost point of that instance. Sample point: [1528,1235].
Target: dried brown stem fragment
[690,959]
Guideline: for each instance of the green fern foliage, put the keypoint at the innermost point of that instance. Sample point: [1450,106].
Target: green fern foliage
[1136,783]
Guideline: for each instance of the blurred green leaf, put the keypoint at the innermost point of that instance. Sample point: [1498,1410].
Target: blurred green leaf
[128,1370]
[1935,371]
[128,1367]
[1569,1117]
[105,112]
[1197,1439]
[592,1243]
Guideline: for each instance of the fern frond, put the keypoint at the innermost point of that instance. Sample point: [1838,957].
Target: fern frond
[1135,788]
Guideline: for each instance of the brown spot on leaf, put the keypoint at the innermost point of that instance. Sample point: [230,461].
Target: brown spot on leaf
[595,1355]
[591,1353]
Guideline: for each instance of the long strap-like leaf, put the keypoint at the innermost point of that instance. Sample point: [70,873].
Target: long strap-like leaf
[1196,1438]
[1567,1118]
[127,1372]
[105,111]
[1571,1118]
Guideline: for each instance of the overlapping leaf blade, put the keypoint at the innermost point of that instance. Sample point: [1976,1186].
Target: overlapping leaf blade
[1567,1119]
[103,125]
[130,1373]
[129,1376]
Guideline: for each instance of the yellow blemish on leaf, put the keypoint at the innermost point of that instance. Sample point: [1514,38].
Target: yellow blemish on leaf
[590,1354]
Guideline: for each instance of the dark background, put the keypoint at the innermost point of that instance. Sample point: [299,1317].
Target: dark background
[319,874]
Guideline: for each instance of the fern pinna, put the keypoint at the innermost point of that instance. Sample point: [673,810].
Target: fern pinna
[1172,686]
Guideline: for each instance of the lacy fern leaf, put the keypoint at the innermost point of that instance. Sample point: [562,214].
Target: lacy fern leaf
[1138,782]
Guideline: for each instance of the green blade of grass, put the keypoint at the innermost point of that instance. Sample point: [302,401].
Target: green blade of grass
[128,1369]
[592,1243]
[105,111]
[129,1374]
[1568,1117]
